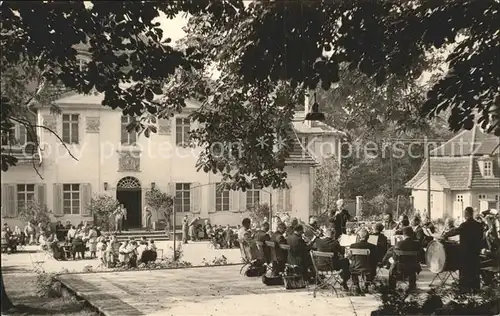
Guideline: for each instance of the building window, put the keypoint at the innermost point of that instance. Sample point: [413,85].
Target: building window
[70,128]
[25,193]
[82,63]
[488,168]
[460,198]
[18,135]
[128,138]
[221,199]
[482,196]
[253,195]
[71,199]
[182,197]
[182,129]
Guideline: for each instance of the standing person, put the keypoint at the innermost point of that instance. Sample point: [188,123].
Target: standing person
[148,219]
[185,229]
[124,217]
[92,242]
[340,219]
[471,242]
[192,228]
[118,215]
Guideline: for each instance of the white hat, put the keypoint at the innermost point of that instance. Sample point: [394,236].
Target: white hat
[493,212]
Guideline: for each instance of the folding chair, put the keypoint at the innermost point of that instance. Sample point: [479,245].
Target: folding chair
[354,252]
[246,254]
[37,260]
[413,257]
[325,275]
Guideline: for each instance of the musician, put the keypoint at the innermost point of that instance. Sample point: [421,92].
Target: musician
[277,236]
[403,222]
[327,243]
[382,241]
[404,266]
[363,264]
[427,225]
[340,219]
[244,232]
[290,229]
[389,223]
[298,255]
[420,237]
[471,241]
[312,230]
[262,234]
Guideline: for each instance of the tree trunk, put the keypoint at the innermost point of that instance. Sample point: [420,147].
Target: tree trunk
[5,302]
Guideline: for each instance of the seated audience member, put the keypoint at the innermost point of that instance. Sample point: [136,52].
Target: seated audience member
[123,252]
[30,232]
[389,223]
[327,243]
[142,251]
[151,253]
[57,250]
[228,237]
[404,266]
[60,231]
[20,236]
[298,255]
[262,234]
[132,254]
[382,241]
[364,265]
[71,233]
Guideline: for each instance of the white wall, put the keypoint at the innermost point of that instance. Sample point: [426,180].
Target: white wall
[160,161]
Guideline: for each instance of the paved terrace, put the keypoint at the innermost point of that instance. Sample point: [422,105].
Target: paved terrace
[208,291]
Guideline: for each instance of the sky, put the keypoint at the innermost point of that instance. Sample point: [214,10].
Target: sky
[172,28]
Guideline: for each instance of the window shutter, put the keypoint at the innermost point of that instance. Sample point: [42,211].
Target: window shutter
[234,201]
[195,198]
[212,190]
[279,199]
[85,198]
[171,189]
[243,200]
[164,127]
[58,199]
[41,195]
[9,200]
[288,198]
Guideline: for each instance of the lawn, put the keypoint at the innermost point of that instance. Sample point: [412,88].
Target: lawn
[22,291]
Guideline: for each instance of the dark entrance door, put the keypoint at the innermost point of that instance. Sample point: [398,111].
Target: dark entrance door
[128,193]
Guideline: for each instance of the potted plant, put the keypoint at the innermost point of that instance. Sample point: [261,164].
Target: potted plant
[102,206]
[162,204]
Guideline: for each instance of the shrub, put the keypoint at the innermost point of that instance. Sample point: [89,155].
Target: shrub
[46,285]
[217,261]
[34,212]
[160,202]
[102,206]
[258,212]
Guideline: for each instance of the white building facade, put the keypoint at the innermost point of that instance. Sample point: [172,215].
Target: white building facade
[110,160]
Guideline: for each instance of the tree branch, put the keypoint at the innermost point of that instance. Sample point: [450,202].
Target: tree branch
[28,124]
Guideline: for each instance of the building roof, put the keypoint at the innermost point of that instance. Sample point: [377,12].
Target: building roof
[457,161]
[453,170]
[299,155]
[474,142]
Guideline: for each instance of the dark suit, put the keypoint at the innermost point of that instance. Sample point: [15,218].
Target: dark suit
[298,255]
[262,236]
[471,242]
[404,266]
[382,246]
[420,237]
[340,220]
[364,264]
[277,237]
[390,225]
[329,244]
[278,266]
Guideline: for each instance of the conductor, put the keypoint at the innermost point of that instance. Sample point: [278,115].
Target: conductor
[471,242]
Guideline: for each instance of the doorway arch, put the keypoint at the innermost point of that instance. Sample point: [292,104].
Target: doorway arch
[129,194]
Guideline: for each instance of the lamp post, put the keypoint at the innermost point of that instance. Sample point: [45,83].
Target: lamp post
[205,185]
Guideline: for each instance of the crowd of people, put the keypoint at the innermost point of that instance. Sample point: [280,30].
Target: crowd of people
[79,242]
[478,243]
